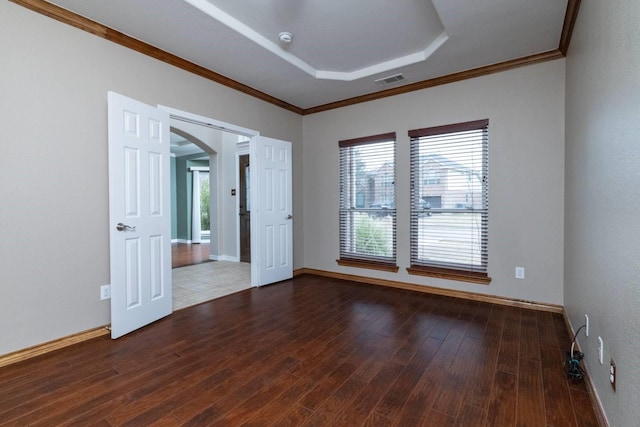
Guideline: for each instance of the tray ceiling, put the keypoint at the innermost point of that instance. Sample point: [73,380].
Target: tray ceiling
[338,48]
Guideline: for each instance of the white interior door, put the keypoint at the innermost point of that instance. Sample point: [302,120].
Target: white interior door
[139,214]
[272,223]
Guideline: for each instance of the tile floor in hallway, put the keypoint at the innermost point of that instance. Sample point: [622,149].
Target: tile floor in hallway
[203,282]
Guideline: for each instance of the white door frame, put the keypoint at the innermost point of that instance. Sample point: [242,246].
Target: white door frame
[243,149]
[253,138]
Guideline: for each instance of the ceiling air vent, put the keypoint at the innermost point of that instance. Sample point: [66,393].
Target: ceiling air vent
[390,79]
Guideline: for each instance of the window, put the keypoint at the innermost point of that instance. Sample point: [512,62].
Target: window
[449,221]
[368,202]
[432,177]
[204,201]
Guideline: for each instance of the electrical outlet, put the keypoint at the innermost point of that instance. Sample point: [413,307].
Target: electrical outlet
[586,322]
[600,350]
[519,272]
[105,292]
[612,374]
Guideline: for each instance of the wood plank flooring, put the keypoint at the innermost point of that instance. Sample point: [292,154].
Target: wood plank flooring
[311,351]
[183,254]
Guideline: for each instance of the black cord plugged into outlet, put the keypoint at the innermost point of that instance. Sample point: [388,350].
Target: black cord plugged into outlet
[572,365]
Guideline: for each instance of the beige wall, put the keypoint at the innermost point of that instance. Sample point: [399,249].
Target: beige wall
[54,250]
[602,231]
[228,204]
[525,108]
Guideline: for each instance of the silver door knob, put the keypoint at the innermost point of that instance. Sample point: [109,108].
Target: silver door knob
[122,227]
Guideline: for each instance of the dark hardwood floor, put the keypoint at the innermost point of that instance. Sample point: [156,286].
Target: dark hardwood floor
[311,352]
[183,254]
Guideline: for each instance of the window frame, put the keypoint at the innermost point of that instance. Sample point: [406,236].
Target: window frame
[441,269]
[348,256]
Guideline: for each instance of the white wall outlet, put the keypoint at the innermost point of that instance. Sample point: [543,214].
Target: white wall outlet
[105,292]
[600,350]
[586,323]
[519,272]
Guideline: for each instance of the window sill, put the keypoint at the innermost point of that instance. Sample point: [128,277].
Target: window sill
[444,273]
[372,265]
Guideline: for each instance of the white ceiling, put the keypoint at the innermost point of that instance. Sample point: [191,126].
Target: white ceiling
[339,47]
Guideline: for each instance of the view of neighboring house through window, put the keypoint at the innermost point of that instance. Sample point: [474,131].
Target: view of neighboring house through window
[449,201]
[367,201]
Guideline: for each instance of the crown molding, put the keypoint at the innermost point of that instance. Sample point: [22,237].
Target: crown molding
[570,17]
[70,18]
[107,33]
[449,78]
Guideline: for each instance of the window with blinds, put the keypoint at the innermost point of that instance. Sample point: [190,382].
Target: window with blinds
[449,201]
[368,202]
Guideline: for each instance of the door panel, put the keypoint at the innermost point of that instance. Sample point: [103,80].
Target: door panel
[155,258]
[155,184]
[274,216]
[139,214]
[132,269]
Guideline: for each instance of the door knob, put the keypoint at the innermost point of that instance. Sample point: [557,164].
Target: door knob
[122,227]
[289,216]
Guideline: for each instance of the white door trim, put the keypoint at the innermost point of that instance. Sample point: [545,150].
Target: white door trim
[206,121]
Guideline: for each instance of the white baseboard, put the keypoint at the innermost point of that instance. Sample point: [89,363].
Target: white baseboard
[225,258]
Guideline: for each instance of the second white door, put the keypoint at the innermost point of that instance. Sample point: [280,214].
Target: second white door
[272,223]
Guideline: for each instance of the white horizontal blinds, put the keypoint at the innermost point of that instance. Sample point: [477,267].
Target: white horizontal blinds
[368,199]
[449,197]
